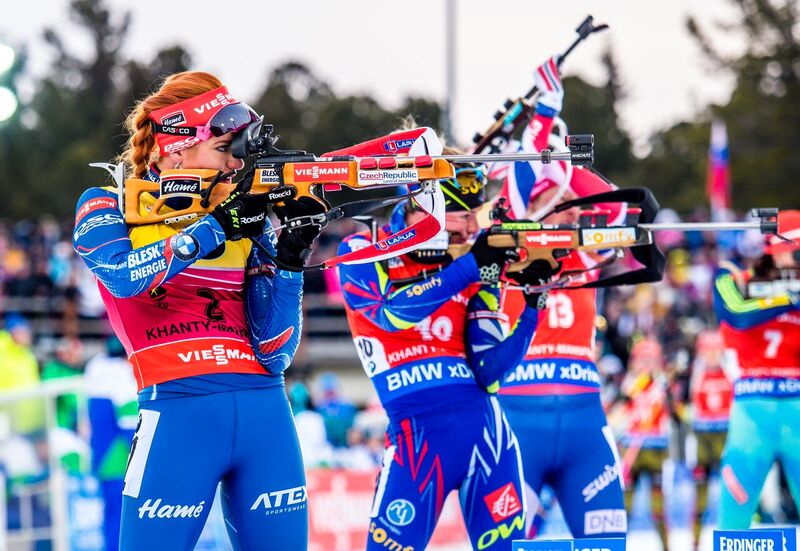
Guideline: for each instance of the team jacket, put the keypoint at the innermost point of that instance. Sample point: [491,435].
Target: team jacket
[175,294]
[426,345]
[762,340]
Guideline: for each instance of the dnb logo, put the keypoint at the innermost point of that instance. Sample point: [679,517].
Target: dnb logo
[184,246]
[393,146]
[400,512]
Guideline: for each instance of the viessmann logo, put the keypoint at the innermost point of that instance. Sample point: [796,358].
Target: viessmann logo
[218,353]
[548,238]
[322,170]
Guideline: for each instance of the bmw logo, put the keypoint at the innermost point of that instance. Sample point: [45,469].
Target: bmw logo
[400,512]
[184,246]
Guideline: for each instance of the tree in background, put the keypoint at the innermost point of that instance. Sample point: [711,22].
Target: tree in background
[762,116]
[593,110]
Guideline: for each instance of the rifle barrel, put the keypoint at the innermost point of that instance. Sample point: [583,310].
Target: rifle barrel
[702,226]
[488,158]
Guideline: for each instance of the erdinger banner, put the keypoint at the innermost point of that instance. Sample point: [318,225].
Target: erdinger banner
[339,505]
[762,539]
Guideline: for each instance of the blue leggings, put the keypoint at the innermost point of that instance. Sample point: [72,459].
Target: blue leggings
[470,448]
[184,446]
[566,444]
[761,431]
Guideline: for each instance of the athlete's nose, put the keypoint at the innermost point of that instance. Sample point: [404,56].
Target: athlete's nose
[234,164]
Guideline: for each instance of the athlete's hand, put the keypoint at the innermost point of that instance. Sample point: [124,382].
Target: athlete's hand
[294,246]
[491,261]
[548,81]
[242,214]
[538,272]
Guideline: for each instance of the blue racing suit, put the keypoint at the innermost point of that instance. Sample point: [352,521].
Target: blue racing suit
[762,341]
[208,354]
[425,347]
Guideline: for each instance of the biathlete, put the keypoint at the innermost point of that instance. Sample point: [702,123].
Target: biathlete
[711,394]
[552,397]
[208,345]
[424,326]
[761,330]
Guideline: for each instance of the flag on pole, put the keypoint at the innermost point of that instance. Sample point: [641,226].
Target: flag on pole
[718,179]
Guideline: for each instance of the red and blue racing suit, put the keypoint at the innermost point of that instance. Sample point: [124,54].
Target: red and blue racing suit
[552,397]
[208,354]
[425,347]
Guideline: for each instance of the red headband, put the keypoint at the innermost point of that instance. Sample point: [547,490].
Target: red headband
[192,112]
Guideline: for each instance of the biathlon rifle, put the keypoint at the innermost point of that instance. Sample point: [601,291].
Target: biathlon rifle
[394,172]
[517,112]
[593,234]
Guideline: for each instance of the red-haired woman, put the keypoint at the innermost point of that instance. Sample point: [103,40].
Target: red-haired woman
[206,346]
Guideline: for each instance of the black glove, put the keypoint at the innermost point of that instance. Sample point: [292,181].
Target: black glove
[538,272]
[294,246]
[491,260]
[242,214]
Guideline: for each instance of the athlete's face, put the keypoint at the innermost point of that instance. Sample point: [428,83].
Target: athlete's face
[785,259]
[569,216]
[214,154]
[462,225]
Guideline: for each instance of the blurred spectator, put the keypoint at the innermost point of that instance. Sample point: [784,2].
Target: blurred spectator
[68,363]
[338,413]
[113,411]
[19,370]
[310,425]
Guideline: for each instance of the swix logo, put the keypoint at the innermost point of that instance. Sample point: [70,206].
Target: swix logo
[95,204]
[608,236]
[218,353]
[174,119]
[503,502]
[180,185]
[154,509]
[305,173]
[393,146]
[281,501]
[387,244]
[220,100]
[609,474]
[547,238]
